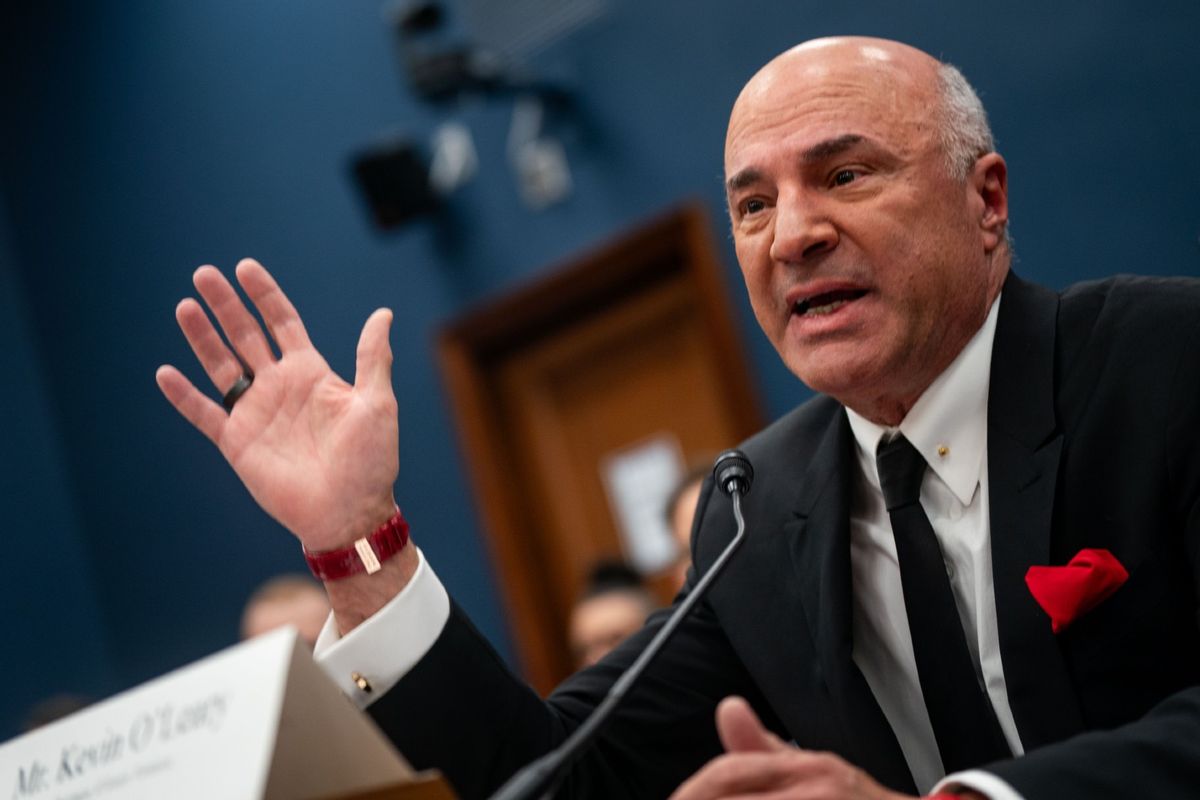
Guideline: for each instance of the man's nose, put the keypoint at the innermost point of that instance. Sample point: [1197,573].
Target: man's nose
[802,229]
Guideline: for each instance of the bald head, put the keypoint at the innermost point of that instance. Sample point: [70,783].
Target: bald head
[917,91]
[819,58]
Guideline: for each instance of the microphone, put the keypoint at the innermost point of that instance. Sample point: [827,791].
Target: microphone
[732,471]
[733,474]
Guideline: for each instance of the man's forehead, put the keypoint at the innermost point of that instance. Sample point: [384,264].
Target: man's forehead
[822,131]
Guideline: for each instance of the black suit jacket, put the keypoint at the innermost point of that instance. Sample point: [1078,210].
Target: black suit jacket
[1093,441]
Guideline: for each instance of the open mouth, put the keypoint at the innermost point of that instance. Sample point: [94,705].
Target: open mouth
[826,303]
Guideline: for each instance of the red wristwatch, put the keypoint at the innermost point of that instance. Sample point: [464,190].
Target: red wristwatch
[365,555]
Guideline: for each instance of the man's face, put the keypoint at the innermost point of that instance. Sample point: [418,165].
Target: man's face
[600,623]
[867,265]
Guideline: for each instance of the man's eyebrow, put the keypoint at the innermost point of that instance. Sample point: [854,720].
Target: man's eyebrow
[831,147]
[740,180]
[818,152]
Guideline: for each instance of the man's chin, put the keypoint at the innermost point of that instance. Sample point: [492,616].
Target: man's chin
[852,384]
[833,374]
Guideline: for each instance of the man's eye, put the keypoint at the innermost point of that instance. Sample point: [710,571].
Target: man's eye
[753,206]
[843,176]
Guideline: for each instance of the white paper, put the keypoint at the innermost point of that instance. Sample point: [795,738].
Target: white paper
[639,481]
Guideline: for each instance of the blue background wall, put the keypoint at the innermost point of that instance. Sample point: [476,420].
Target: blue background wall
[141,139]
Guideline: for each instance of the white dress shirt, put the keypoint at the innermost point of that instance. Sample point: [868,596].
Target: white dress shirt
[948,426]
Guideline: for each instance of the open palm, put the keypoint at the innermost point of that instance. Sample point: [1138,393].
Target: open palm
[317,453]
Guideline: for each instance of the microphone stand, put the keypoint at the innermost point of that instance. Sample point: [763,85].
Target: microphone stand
[543,776]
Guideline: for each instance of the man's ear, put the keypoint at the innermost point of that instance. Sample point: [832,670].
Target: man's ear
[989,180]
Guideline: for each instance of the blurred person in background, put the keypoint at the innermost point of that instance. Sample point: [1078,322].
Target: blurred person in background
[680,511]
[614,604]
[286,600]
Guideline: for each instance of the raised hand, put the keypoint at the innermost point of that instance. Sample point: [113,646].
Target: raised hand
[318,454]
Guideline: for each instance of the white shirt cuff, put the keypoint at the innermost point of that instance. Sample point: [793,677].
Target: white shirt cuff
[384,647]
[977,780]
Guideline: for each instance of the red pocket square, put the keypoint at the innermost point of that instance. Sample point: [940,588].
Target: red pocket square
[1067,593]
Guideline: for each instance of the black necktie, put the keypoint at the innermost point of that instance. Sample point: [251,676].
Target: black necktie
[964,722]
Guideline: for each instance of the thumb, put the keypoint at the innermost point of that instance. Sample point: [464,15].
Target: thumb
[373,370]
[741,731]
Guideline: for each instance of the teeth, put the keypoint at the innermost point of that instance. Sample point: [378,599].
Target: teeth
[826,302]
[828,308]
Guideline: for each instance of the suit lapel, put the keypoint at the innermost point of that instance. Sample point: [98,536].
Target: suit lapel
[1024,447]
[819,537]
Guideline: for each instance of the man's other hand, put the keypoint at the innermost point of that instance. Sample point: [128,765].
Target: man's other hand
[758,764]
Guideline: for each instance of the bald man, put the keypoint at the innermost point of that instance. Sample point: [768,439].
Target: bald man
[903,606]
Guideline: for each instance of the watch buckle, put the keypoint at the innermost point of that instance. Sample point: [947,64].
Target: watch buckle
[367,555]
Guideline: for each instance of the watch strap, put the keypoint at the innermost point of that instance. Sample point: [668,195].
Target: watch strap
[366,554]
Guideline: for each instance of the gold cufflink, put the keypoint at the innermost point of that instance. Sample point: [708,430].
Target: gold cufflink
[361,682]
[942,450]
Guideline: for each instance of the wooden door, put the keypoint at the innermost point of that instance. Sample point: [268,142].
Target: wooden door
[631,344]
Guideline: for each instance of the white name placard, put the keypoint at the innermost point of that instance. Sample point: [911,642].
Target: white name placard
[259,721]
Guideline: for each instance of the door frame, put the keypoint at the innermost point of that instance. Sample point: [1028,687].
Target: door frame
[470,347]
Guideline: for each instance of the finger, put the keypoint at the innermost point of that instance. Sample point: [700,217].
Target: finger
[218,361]
[373,371]
[741,731]
[240,327]
[208,417]
[277,311]
[740,773]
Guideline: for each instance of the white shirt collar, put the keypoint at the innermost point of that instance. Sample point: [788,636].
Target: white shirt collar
[948,423]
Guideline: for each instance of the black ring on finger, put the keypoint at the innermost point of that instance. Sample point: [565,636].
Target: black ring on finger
[237,390]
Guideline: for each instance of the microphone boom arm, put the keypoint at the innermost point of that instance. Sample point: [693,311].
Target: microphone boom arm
[544,774]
